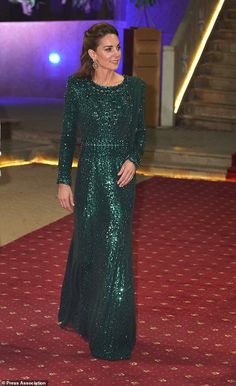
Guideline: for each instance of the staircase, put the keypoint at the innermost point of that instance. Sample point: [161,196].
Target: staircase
[210,101]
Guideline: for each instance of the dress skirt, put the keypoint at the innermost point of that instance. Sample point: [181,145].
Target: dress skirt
[97,295]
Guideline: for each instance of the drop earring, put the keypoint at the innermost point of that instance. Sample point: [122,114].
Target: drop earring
[95,65]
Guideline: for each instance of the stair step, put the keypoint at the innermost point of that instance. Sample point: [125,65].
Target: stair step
[229,13]
[180,158]
[231,3]
[206,122]
[224,34]
[219,57]
[209,109]
[217,69]
[215,82]
[213,96]
[221,45]
[227,23]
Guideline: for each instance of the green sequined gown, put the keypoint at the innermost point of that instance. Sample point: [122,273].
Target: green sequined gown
[97,295]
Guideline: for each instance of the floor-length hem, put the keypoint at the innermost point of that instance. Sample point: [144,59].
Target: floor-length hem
[71,327]
[115,358]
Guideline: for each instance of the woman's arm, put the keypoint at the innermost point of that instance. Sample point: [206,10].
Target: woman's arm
[137,149]
[68,135]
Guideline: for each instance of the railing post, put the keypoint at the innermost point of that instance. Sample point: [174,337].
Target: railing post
[168,86]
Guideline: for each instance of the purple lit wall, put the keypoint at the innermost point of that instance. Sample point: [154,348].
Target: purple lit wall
[167,15]
[24,66]
[24,48]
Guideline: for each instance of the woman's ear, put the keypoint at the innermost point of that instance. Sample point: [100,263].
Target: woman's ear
[91,54]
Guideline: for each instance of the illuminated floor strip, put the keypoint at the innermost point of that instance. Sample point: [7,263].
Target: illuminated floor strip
[146,171]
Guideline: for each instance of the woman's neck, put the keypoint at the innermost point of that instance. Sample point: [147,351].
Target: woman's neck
[108,78]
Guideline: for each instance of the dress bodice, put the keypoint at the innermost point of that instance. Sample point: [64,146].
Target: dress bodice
[103,114]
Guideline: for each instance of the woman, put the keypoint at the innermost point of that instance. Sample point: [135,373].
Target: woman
[97,297]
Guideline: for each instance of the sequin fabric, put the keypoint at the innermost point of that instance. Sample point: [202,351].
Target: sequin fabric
[97,295]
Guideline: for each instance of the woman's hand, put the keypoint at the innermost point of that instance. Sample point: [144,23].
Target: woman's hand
[127,171]
[65,197]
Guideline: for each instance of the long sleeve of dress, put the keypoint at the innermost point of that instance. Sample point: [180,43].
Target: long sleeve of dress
[68,135]
[137,147]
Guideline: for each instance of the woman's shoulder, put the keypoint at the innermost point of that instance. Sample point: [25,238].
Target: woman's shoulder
[137,86]
[76,85]
[135,80]
[75,79]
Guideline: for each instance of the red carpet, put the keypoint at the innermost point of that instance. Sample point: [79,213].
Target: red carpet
[185,271]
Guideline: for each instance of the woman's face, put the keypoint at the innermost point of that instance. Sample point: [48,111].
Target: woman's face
[108,53]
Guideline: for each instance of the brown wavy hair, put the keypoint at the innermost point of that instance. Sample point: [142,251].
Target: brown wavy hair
[91,41]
